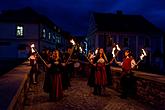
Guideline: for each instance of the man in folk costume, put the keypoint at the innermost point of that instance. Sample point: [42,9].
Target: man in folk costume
[127,81]
[100,73]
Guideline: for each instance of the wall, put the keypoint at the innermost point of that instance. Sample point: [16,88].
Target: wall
[14,86]
[150,88]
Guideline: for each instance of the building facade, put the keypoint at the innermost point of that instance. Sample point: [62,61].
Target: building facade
[129,31]
[20,28]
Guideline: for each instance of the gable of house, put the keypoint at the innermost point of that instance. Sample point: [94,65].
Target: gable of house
[123,23]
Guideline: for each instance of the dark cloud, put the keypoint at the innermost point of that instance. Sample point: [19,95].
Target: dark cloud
[73,15]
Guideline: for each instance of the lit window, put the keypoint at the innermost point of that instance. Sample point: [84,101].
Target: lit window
[19,31]
[49,35]
[58,40]
[43,33]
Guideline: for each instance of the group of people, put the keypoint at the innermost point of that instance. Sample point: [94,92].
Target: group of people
[101,76]
[58,72]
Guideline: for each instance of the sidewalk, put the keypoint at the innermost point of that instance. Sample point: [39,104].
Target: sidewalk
[79,97]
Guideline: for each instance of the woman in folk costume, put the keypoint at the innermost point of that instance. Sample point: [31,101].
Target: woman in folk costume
[55,70]
[100,73]
[34,69]
[127,80]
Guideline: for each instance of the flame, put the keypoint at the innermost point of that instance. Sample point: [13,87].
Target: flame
[73,42]
[33,50]
[96,51]
[144,53]
[32,46]
[80,49]
[142,56]
[118,48]
[113,51]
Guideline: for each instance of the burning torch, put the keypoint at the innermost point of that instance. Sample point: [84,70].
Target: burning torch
[113,52]
[81,51]
[73,43]
[142,56]
[33,49]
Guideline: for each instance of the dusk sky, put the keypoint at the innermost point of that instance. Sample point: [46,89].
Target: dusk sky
[73,15]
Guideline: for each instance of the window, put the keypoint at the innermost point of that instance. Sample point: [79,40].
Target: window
[125,42]
[53,38]
[58,40]
[49,35]
[19,31]
[109,41]
[58,30]
[43,33]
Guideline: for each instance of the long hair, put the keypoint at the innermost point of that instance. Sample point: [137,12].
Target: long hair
[99,55]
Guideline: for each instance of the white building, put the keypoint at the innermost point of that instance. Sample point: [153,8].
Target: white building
[20,28]
[129,31]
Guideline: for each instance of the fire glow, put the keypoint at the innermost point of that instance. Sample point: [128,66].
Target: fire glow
[113,50]
[143,54]
[73,42]
[32,46]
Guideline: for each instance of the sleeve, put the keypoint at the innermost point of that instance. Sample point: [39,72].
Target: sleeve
[133,63]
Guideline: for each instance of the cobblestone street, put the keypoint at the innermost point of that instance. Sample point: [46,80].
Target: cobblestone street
[79,97]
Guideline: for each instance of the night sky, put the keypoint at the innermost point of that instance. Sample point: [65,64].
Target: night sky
[73,15]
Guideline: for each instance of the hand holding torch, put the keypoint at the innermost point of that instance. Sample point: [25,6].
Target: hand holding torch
[113,52]
[35,50]
[73,43]
[142,56]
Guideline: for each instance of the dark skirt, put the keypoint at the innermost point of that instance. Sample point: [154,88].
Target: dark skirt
[47,83]
[100,75]
[65,79]
[56,90]
[91,79]
[109,75]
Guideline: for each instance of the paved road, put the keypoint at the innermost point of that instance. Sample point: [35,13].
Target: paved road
[79,97]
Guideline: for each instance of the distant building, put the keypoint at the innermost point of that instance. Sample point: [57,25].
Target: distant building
[129,31]
[20,28]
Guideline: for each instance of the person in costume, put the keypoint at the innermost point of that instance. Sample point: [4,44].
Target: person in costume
[34,69]
[55,71]
[127,81]
[100,73]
